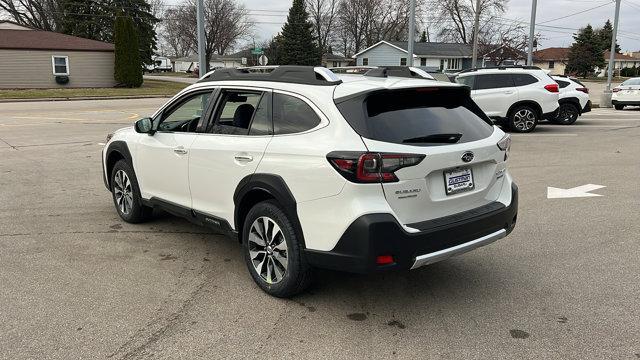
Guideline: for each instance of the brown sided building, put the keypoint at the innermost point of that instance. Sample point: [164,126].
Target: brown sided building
[32,58]
[554,59]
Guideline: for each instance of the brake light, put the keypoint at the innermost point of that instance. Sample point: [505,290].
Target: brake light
[371,167]
[615,89]
[583,89]
[384,260]
[552,88]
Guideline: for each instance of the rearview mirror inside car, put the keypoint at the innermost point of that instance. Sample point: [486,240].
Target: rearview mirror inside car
[144,125]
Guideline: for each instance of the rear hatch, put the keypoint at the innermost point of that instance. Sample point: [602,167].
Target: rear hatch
[452,162]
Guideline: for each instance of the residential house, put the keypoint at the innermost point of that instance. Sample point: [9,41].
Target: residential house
[333,60]
[554,59]
[620,61]
[32,58]
[502,55]
[430,55]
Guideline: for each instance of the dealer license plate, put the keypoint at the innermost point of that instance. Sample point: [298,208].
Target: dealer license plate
[458,180]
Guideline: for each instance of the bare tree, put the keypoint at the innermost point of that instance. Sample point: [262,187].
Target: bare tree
[39,14]
[323,15]
[455,18]
[362,23]
[226,22]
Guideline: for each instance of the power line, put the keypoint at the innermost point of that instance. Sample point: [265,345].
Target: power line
[576,13]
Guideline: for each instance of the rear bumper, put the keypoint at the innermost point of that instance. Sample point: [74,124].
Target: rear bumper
[587,107]
[374,235]
[622,102]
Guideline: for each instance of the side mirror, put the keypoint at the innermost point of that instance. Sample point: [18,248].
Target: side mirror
[144,125]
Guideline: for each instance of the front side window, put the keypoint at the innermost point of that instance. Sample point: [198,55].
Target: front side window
[493,81]
[292,115]
[186,114]
[60,65]
[403,61]
[236,111]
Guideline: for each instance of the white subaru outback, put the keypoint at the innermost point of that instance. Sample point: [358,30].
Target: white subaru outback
[306,171]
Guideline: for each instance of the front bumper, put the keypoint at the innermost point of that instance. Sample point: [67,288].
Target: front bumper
[374,235]
[621,102]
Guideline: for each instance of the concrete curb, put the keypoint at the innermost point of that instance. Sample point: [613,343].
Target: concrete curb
[124,97]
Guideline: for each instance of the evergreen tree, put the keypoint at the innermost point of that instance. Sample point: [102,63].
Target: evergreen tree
[586,53]
[128,67]
[297,45]
[604,37]
[423,36]
[93,19]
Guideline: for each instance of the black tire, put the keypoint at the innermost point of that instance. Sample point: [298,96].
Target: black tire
[568,113]
[523,119]
[134,211]
[297,273]
[619,107]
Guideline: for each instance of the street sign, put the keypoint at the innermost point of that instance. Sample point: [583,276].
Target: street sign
[257,51]
[263,60]
[244,61]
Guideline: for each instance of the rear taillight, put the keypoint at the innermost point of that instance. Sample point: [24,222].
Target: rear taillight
[552,88]
[583,89]
[505,145]
[371,167]
[615,89]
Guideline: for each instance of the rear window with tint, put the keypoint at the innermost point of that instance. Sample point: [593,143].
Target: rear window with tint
[493,81]
[418,117]
[524,79]
[634,81]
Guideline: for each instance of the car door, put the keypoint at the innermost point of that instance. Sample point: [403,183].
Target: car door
[494,93]
[163,157]
[230,150]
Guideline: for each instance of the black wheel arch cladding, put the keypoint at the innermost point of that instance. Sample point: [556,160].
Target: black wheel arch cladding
[117,150]
[259,187]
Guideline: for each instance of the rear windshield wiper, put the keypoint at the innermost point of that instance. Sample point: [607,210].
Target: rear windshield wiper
[435,138]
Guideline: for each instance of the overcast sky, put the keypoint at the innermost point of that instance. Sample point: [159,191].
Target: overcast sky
[269,16]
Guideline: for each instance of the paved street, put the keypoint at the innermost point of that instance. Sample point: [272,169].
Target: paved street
[77,282]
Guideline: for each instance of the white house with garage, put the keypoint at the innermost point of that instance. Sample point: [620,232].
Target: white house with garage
[431,55]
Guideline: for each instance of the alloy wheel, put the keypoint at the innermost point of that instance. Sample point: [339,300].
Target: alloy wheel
[123,192]
[268,250]
[524,119]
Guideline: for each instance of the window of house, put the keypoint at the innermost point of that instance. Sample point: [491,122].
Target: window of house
[441,64]
[365,61]
[403,61]
[336,64]
[60,65]
[552,64]
[423,61]
[454,64]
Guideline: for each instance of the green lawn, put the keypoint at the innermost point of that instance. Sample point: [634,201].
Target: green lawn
[150,87]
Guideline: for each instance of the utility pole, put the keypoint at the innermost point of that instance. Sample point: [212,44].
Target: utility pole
[412,30]
[476,28]
[202,57]
[613,46]
[532,29]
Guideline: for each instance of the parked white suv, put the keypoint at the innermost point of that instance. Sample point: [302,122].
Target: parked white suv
[626,94]
[308,171]
[574,100]
[518,96]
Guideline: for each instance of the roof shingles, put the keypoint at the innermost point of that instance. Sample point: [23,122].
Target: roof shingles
[47,40]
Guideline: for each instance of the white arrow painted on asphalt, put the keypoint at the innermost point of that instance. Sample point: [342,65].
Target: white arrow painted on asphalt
[576,192]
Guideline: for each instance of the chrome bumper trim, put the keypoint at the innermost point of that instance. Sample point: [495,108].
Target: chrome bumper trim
[431,258]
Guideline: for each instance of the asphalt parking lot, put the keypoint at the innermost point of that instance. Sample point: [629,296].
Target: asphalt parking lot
[77,282]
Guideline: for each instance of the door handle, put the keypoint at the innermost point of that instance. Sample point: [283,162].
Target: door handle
[180,150]
[244,158]
[509,92]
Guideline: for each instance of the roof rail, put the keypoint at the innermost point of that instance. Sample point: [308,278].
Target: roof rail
[398,71]
[526,67]
[308,75]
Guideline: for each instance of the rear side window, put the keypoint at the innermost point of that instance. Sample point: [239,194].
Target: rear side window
[418,117]
[292,115]
[493,81]
[524,79]
[466,80]
[562,84]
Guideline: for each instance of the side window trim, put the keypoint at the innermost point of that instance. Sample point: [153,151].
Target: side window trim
[324,120]
[168,109]
[268,95]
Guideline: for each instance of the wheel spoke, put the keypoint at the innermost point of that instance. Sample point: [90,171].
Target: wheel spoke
[255,238]
[282,260]
[269,266]
[279,273]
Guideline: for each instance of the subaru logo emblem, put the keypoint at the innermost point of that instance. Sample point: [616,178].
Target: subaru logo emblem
[467,156]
